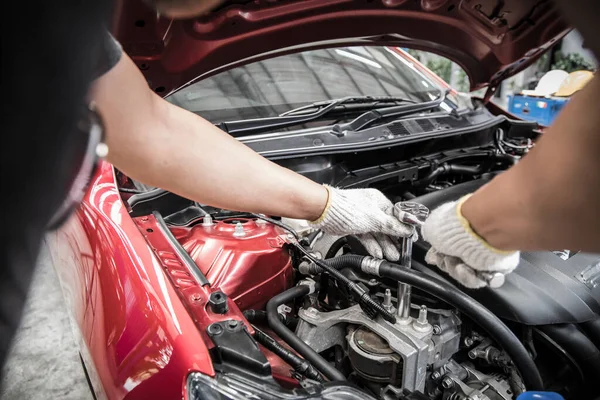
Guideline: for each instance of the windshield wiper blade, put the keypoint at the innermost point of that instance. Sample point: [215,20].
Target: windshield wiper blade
[348,100]
[363,120]
[295,116]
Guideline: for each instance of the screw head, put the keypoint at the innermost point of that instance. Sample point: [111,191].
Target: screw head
[196,297]
[232,324]
[447,383]
[468,341]
[215,329]
[437,329]
[436,375]
[472,355]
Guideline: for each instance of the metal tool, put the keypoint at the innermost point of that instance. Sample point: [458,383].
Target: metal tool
[412,214]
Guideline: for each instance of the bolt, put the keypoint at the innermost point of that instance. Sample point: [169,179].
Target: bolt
[207,220]
[373,281]
[387,298]
[312,311]
[215,329]
[472,354]
[447,383]
[468,341]
[260,222]
[436,375]
[437,329]
[232,324]
[422,315]
[239,230]
[421,324]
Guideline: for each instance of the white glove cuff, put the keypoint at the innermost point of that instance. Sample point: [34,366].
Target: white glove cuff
[450,233]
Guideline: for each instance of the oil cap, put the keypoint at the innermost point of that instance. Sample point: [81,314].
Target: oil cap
[218,302]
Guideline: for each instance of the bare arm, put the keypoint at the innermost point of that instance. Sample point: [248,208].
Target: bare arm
[166,146]
[551,199]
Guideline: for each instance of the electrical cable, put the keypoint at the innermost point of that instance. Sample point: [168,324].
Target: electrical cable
[300,365]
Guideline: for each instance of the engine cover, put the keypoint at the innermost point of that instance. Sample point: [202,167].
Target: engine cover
[242,257]
[545,288]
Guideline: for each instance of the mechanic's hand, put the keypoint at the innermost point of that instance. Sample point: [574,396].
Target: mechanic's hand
[366,213]
[459,251]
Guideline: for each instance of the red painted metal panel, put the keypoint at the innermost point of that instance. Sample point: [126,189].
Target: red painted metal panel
[137,338]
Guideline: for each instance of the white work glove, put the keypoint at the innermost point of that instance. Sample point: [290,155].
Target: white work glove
[459,251]
[366,213]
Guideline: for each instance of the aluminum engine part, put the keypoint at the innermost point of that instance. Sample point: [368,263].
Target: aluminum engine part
[475,386]
[418,349]
[371,357]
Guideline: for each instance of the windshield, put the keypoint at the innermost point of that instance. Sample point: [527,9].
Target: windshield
[271,87]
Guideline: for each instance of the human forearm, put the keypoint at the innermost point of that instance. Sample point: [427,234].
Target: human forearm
[165,146]
[191,157]
[550,199]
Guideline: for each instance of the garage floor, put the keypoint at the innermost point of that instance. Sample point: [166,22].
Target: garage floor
[44,362]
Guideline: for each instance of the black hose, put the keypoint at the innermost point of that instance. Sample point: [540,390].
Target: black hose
[369,306]
[294,341]
[335,247]
[260,316]
[592,330]
[467,305]
[577,345]
[465,169]
[300,365]
[447,168]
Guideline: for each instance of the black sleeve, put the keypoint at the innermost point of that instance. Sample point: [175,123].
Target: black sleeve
[50,50]
[109,55]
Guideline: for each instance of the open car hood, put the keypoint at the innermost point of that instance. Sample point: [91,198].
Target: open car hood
[490,39]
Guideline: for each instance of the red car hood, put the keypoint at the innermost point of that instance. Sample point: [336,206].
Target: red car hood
[490,39]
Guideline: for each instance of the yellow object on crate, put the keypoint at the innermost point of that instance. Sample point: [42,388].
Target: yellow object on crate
[574,83]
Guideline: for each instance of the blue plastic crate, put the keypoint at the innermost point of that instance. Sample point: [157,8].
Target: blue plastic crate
[543,110]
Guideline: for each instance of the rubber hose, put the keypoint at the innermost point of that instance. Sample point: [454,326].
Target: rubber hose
[294,341]
[254,316]
[300,365]
[476,312]
[335,247]
[577,345]
[260,316]
[464,169]
[592,330]
[467,305]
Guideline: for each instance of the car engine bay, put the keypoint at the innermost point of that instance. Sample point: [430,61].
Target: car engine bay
[290,308]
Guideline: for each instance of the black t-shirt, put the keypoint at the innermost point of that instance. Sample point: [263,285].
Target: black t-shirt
[109,55]
[51,52]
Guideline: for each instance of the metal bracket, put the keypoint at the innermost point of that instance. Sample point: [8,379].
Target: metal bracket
[322,330]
